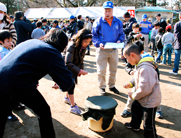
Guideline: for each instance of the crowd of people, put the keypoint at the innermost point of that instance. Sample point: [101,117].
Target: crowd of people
[24,47]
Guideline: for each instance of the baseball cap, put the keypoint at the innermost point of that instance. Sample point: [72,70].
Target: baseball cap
[108,4]
[168,26]
[3,7]
[144,16]
[11,16]
[72,17]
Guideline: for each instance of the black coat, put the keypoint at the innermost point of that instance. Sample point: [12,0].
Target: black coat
[71,29]
[80,25]
[158,41]
[131,38]
[127,28]
[22,29]
[177,33]
[27,63]
[163,24]
[74,57]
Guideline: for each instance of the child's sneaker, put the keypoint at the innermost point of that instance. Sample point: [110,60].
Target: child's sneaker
[127,125]
[75,110]
[66,100]
[159,114]
[12,118]
[125,113]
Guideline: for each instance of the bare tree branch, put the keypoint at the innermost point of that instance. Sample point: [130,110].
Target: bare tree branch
[59,3]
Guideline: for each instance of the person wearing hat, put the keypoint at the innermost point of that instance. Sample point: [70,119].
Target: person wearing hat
[6,24]
[44,26]
[169,23]
[71,28]
[145,26]
[11,18]
[177,48]
[88,25]
[168,40]
[107,29]
[55,24]
[162,22]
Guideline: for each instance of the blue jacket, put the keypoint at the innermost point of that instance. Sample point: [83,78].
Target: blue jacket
[145,27]
[103,32]
[177,33]
[21,69]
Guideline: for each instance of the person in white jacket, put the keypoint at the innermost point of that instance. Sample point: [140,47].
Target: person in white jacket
[167,41]
[88,25]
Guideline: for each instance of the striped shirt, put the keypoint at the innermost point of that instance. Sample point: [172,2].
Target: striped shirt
[10,27]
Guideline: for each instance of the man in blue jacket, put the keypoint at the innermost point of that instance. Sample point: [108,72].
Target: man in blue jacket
[145,26]
[21,70]
[177,48]
[107,29]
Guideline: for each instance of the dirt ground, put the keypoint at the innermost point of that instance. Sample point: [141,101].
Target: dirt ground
[69,125]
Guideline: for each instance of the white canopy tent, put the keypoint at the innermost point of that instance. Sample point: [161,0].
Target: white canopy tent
[64,13]
[37,12]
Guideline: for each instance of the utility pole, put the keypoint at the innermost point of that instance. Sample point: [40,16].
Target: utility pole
[171,5]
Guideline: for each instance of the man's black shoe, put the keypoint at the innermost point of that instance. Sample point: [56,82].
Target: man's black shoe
[114,90]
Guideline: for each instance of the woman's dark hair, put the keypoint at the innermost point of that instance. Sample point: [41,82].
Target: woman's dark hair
[6,19]
[5,35]
[81,35]
[57,38]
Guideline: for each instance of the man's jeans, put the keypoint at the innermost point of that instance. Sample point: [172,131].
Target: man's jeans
[167,49]
[177,60]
